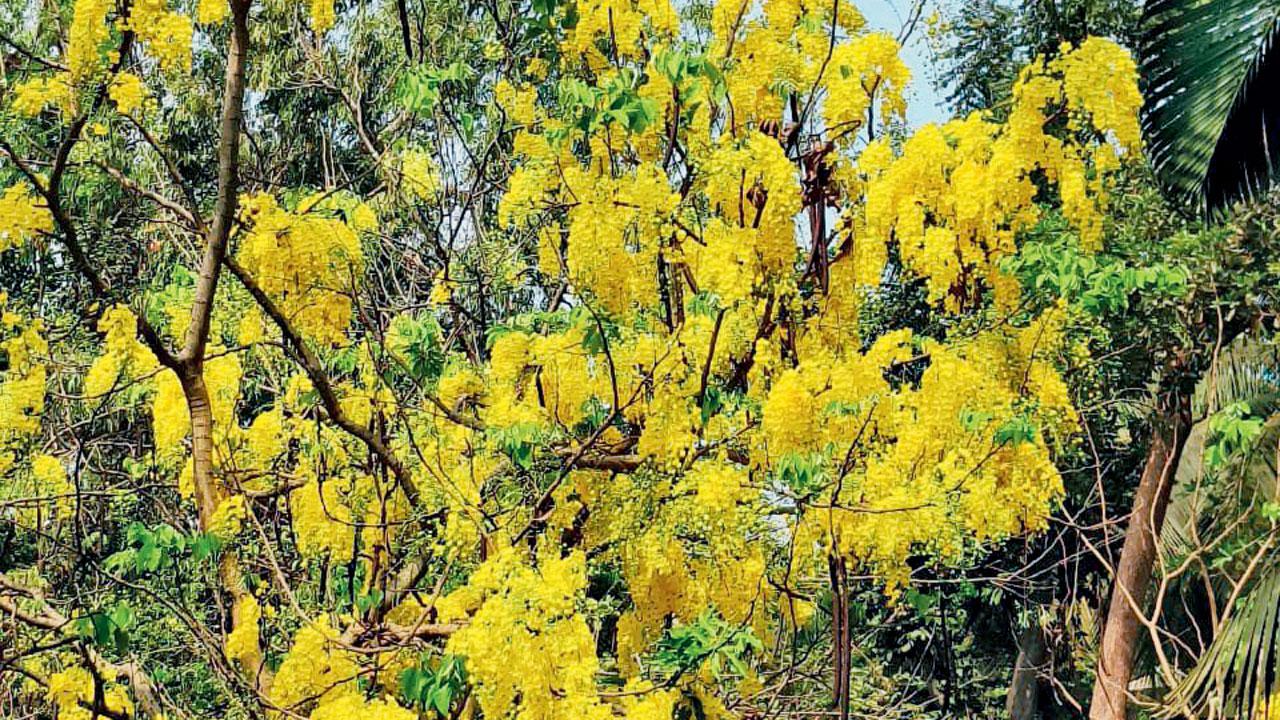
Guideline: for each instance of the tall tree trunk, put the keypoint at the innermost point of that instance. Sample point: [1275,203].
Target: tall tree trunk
[1137,558]
[191,359]
[1024,690]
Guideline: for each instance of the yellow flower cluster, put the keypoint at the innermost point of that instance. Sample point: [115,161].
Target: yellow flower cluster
[1099,78]
[612,233]
[89,31]
[529,655]
[864,68]
[71,687]
[52,481]
[242,641]
[315,669]
[165,33]
[770,48]
[127,92]
[22,383]
[31,97]
[323,16]
[620,27]
[965,455]
[322,521]
[752,184]
[303,260]
[956,196]
[353,705]
[122,353]
[318,679]
[21,217]
[170,416]
[418,175]
[212,12]
[228,517]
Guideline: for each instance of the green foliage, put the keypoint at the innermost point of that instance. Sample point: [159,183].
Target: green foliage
[419,89]
[709,640]
[158,548]
[587,107]
[1211,111]
[433,685]
[418,341]
[801,474]
[1100,284]
[1232,430]
[519,442]
[1017,430]
[107,629]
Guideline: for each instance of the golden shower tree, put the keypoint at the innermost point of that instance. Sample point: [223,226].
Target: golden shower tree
[565,404]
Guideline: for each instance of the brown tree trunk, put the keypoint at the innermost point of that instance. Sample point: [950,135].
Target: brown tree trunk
[841,650]
[1024,690]
[1137,558]
[191,359]
[201,413]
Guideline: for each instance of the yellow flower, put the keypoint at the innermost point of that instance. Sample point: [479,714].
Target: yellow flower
[51,479]
[32,96]
[165,34]
[242,641]
[212,12]
[127,92]
[323,16]
[418,175]
[22,217]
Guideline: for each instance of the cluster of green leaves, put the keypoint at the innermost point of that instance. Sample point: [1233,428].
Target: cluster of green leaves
[685,70]
[708,641]
[419,341]
[1100,284]
[107,628]
[160,547]
[586,107]
[1232,431]
[434,684]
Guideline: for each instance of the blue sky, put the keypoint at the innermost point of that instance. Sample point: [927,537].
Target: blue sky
[924,102]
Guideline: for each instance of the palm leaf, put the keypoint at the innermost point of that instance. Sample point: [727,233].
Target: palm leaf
[1247,371]
[1212,116]
[1237,673]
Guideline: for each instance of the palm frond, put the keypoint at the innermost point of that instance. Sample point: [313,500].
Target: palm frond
[1248,371]
[1212,116]
[1237,674]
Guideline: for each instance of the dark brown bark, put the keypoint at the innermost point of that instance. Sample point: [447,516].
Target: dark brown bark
[841,650]
[1024,690]
[1137,558]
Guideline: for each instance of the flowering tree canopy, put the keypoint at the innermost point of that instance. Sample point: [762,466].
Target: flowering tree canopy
[595,480]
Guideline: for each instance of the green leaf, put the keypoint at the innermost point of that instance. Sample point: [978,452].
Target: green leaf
[1015,431]
[1212,115]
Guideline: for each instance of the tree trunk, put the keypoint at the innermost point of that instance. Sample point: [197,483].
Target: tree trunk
[1137,558]
[841,650]
[191,360]
[1024,690]
[201,414]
